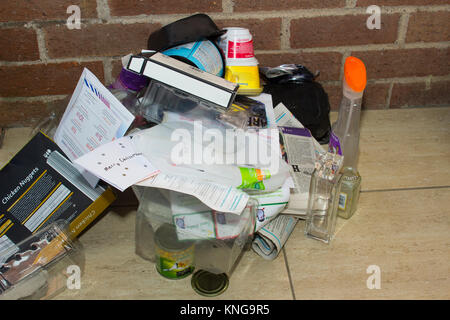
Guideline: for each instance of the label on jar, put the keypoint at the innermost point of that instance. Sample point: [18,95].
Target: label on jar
[334,146]
[342,201]
[175,264]
[240,49]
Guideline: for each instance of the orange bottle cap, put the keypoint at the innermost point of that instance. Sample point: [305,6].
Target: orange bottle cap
[355,74]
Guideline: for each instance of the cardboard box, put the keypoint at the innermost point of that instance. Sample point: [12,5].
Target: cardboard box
[39,185]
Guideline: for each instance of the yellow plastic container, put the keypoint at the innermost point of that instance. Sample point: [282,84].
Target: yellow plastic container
[247,77]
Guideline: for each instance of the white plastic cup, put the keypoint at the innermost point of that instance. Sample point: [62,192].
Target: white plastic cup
[237,46]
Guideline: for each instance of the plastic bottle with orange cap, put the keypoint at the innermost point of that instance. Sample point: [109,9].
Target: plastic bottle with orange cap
[344,138]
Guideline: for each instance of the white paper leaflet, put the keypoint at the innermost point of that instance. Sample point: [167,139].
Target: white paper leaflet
[93,117]
[194,220]
[117,163]
[217,197]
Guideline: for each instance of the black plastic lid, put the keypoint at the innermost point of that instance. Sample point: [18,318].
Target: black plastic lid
[209,284]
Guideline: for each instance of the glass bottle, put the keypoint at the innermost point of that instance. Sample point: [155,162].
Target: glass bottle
[323,198]
[344,138]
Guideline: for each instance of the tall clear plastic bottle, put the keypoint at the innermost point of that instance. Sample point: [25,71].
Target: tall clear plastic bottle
[345,135]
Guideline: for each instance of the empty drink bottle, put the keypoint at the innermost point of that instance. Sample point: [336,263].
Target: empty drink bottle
[345,134]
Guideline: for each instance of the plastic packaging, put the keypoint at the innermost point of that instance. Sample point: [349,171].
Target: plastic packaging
[50,122]
[345,134]
[127,88]
[323,198]
[205,239]
[295,86]
[41,266]
[162,103]
[188,149]
[288,73]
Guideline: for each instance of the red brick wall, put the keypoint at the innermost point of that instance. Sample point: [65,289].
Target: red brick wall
[407,59]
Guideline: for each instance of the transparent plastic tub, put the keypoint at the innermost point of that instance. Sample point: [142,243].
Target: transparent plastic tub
[41,266]
[197,239]
[162,103]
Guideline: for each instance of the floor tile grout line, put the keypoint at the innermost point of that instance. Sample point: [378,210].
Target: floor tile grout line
[291,284]
[405,189]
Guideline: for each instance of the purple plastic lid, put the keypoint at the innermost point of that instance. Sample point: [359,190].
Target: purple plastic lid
[132,80]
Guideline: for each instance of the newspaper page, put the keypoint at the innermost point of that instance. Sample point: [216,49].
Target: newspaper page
[270,239]
[299,153]
[285,118]
[301,174]
[93,117]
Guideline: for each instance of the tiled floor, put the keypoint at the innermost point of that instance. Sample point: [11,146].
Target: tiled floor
[402,226]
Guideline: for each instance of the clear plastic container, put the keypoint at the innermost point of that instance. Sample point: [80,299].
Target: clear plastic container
[195,239]
[41,266]
[163,103]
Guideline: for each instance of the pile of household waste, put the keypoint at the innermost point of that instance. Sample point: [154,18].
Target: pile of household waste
[223,156]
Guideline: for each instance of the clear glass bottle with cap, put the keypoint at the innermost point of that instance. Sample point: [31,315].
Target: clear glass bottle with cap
[344,138]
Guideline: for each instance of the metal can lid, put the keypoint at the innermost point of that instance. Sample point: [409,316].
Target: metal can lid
[209,284]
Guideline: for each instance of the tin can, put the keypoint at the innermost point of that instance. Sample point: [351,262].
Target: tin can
[209,284]
[174,258]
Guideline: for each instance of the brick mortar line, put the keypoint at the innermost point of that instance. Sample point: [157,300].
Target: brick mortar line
[428,82]
[227,6]
[388,99]
[350,3]
[345,55]
[285,37]
[107,70]
[103,11]
[363,47]
[338,49]
[45,98]
[40,37]
[394,80]
[294,13]
[427,106]
[404,80]
[52,61]
[403,24]
[259,15]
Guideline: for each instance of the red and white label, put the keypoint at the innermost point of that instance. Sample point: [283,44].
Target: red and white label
[238,50]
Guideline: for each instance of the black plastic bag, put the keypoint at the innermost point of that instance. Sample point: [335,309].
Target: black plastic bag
[295,86]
